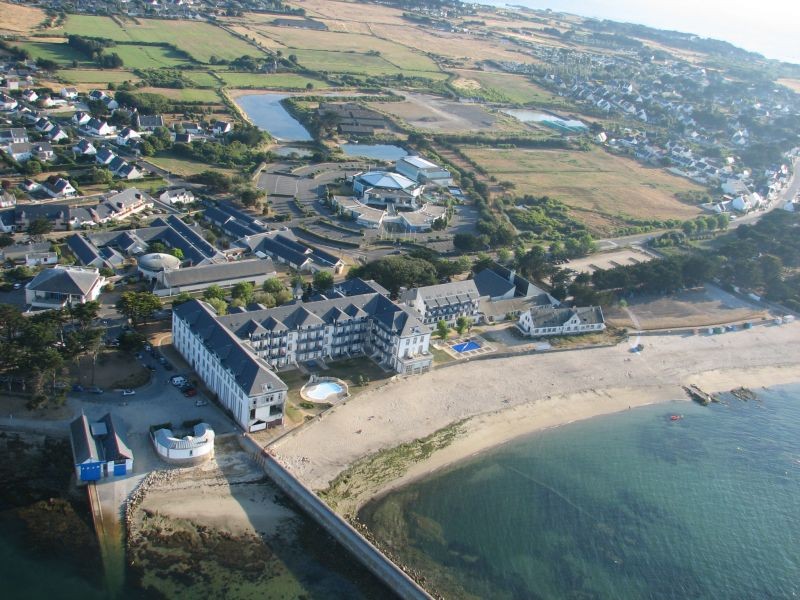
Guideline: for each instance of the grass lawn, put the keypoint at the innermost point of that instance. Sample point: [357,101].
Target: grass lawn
[291,81]
[604,190]
[202,79]
[345,62]
[198,39]
[183,166]
[516,89]
[148,57]
[186,94]
[398,55]
[349,369]
[61,53]
[440,356]
[96,76]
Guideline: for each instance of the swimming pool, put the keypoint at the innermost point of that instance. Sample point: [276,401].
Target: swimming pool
[323,390]
[466,346]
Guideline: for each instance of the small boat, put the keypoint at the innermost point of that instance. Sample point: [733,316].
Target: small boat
[676,417]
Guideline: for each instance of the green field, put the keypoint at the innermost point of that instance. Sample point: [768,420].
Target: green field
[186,94]
[290,81]
[184,167]
[148,57]
[60,53]
[96,76]
[201,79]
[603,190]
[345,62]
[506,87]
[200,40]
[400,56]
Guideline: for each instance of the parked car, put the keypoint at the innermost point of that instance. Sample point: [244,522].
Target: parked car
[94,390]
[189,392]
[17,286]
[77,388]
[178,380]
[128,392]
[200,402]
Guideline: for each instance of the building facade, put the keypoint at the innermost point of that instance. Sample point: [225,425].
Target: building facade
[62,286]
[445,302]
[546,321]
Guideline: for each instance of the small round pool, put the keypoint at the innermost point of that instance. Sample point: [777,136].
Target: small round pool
[322,391]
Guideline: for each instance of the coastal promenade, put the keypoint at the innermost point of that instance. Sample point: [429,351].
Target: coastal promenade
[496,400]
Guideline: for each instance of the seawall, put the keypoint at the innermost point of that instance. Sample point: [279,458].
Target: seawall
[367,554]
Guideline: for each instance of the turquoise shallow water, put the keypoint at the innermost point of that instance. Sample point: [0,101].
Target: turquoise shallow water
[626,506]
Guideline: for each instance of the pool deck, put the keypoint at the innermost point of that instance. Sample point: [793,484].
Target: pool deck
[447,346]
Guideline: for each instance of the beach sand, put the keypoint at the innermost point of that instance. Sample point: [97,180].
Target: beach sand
[498,400]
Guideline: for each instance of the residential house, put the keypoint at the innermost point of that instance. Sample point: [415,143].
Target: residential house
[127,135]
[43,125]
[15,135]
[548,321]
[129,172]
[69,93]
[17,253]
[177,196]
[63,286]
[84,148]
[104,156]
[7,103]
[99,128]
[81,118]
[221,127]
[7,199]
[59,188]
[148,122]
[57,134]
[30,95]
[444,302]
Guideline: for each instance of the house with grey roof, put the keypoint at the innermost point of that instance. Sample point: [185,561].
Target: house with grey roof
[62,286]
[99,449]
[444,302]
[544,321]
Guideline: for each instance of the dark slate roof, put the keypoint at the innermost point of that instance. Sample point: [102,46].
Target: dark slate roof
[556,317]
[20,250]
[356,286]
[444,294]
[84,446]
[250,372]
[64,280]
[114,446]
[274,247]
[491,284]
[213,273]
[83,250]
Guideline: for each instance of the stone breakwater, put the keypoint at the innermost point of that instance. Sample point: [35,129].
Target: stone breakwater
[152,479]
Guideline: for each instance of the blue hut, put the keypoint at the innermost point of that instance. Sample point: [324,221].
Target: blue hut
[98,449]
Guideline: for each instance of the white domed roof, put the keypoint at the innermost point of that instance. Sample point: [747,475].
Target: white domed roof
[386,180]
[156,262]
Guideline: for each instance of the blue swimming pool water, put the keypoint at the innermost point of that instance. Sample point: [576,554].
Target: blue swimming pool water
[321,391]
[466,346]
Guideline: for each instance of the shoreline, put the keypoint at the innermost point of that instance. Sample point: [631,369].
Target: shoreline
[389,437]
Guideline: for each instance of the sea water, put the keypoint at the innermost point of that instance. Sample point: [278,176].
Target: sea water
[626,506]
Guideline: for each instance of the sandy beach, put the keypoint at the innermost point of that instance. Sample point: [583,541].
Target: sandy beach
[495,401]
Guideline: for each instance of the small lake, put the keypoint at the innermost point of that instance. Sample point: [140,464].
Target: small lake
[267,113]
[374,151]
[532,116]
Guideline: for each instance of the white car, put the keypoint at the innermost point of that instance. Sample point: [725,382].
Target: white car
[178,380]
[200,402]
[128,392]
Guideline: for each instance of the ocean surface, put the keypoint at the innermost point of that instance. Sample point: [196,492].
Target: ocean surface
[626,506]
[768,27]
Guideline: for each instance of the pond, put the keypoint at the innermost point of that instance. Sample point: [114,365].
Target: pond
[374,151]
[267,113]
[532,116]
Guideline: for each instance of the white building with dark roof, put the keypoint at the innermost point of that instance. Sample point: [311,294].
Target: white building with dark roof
[171,282]
[384,188]
[444,302]
[235,354]
[544,321]
[99,449]
[62,286]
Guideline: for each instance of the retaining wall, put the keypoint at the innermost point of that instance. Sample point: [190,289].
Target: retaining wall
[367,554]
